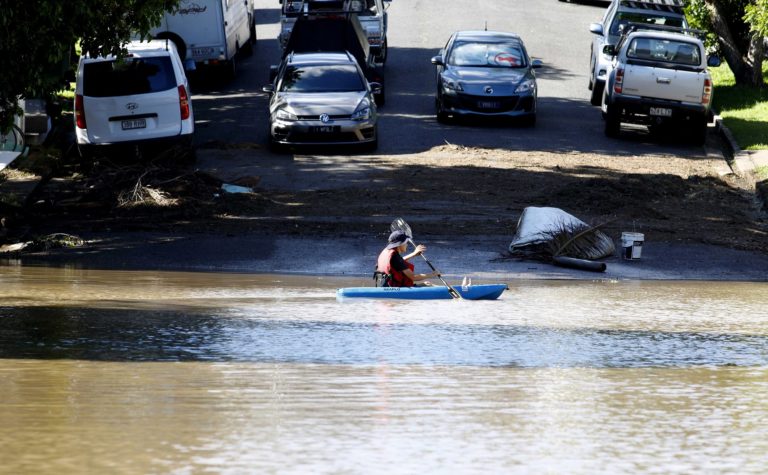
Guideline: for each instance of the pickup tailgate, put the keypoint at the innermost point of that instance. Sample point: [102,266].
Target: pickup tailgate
[663,83]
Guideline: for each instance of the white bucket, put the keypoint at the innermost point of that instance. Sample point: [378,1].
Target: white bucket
[632,245]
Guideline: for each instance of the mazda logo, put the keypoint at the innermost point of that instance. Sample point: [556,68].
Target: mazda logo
[132,106]
[488,90]
[325,118]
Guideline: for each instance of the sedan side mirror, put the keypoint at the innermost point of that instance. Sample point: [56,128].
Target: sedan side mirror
[437,60]
[713,61]
[596,28]
[536,64]
[268,89]
[376,87]
[610,50]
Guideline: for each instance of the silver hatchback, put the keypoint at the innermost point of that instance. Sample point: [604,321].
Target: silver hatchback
[322,99]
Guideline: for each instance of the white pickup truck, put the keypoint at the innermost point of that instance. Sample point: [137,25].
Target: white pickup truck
[658,77]
[371,13]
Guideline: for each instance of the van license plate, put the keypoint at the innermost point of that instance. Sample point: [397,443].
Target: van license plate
[661,111]
[325,129]
[134,124]
[197,52]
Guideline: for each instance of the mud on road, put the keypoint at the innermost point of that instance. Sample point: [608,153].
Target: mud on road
[449,190]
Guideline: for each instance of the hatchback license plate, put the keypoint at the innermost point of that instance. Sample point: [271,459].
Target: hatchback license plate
[324,129]
[134,124]
[661,111]
[488,104]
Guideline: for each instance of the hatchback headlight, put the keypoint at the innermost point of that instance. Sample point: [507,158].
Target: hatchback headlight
[452,86]
[525,87]
[283,114]
[362,113]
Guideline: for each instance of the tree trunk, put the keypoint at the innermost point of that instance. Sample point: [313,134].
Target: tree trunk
[755,56]
[747,66]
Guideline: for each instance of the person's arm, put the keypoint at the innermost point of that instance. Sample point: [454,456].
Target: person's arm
[419,249]
[417,277]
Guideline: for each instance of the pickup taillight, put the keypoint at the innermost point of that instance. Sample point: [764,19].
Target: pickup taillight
[707,94]
[183,102]
[619,82]
[79,112]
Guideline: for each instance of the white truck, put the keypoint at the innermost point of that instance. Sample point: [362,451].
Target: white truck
[658,78]
[607,32]
[210,32]
[371,13]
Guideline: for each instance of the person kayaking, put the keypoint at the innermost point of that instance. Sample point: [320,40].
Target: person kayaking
[393,269]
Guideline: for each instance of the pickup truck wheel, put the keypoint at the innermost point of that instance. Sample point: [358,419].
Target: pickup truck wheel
[382,59]
[612,122]
[381,97]
[596,98]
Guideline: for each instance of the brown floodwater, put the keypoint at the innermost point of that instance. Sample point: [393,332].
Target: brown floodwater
[167,372]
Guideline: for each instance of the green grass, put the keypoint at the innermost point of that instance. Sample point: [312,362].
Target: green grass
[744,110]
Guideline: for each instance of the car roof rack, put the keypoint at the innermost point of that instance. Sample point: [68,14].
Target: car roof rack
[625,30]
[674,6]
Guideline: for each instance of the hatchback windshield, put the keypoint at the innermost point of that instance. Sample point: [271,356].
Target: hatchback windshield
[625,18]
[497,55]
[128,77]
[654,49]
[322,78]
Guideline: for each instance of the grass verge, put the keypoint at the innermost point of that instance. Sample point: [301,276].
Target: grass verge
[744,110]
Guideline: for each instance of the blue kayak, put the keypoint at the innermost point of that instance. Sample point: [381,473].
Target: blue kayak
[472,292]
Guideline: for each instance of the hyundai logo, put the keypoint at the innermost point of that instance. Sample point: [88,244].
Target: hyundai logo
[488,90]
[132,106]
[325,118]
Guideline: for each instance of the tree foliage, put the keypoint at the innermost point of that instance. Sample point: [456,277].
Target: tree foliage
[37,38]
[737,29]
[756,15]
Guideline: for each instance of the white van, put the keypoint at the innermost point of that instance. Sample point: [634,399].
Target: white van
[210,32]
[141,100]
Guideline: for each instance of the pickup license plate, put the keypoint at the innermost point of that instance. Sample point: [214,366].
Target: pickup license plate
[134,124]
[325,129]
[661,111]
[488,104]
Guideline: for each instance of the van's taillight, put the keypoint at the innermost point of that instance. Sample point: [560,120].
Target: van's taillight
[79,112]
[183,103]
[619,83]
[707,95]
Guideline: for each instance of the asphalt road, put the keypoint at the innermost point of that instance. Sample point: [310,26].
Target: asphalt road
[555,32]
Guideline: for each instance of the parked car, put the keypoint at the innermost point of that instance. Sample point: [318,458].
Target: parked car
[659,78]
[332,33]
[485,73]
[608,31]
[141,99]
[210,32]
[322,98]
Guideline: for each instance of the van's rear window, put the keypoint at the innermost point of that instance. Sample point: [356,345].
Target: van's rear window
[128,76]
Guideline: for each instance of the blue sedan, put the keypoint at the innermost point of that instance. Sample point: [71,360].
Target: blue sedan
[487,74]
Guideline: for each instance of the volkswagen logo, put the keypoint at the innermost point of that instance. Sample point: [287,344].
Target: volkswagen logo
[132,106]
[325,118]
[488,90]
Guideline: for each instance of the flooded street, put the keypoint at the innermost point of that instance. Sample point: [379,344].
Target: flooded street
[134,372]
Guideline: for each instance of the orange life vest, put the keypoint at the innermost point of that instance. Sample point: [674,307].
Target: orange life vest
[392,277]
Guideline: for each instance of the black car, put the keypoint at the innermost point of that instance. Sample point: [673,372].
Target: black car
[485,73]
